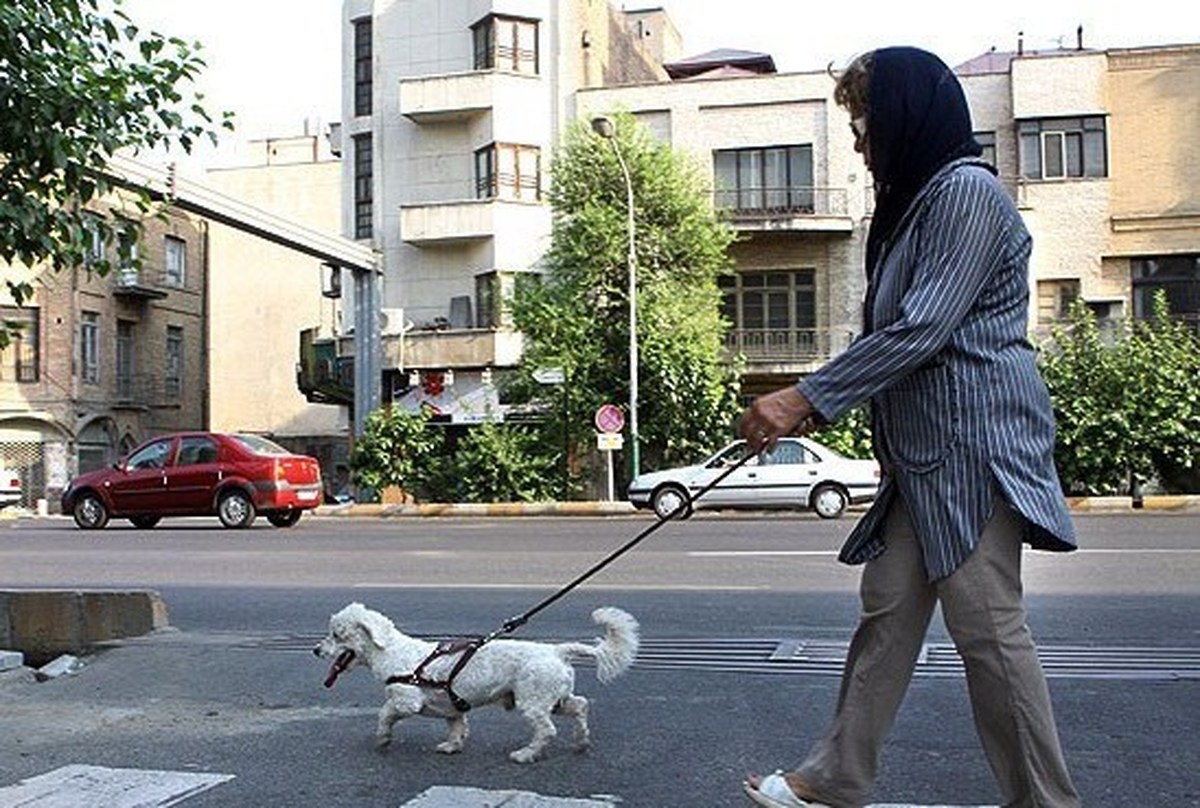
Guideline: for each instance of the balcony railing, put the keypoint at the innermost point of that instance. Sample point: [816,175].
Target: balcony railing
[145,390]
[787,344]
[134,282]
[792,201]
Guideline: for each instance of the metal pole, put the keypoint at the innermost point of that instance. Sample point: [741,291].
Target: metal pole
[607,130]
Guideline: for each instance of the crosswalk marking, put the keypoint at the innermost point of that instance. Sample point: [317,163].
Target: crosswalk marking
[456,797]
[80,786]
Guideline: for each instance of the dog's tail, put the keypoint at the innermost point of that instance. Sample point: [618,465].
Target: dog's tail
[615,651]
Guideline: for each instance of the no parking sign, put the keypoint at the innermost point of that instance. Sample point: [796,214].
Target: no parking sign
[610,418]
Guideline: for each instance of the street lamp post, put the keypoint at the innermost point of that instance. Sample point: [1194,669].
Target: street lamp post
[607,129]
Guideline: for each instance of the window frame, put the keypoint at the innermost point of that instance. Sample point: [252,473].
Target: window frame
[523,185]
[754,190]
[173,368]
[126,356]
[23,352]
[364,185]
[364,84]
[1063,148]
[496,44]
[1182,290]
[89,347]
[174,261]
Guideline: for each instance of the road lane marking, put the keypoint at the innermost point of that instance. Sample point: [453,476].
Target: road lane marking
[80,786]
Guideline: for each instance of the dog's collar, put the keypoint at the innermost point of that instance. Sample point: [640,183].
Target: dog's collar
[467,648]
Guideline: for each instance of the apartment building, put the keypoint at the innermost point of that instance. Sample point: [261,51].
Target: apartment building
[102,363]
[451,111]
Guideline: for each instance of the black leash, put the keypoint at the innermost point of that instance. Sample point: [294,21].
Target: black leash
[469,646]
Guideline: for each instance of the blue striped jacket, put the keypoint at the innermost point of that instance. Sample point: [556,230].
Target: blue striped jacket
[959,412]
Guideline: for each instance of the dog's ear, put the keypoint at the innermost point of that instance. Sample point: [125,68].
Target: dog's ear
[377,627]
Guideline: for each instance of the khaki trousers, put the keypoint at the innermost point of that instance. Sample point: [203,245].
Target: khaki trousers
[984,614]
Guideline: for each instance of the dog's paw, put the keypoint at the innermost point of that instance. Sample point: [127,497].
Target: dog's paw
[523,756]
[449,747]
[382,742]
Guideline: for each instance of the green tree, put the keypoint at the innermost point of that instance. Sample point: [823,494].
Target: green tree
[1125,400]
[398,449]
[77,86]
[576,316]
[502,463]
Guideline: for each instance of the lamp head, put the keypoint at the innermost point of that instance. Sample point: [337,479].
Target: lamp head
[604,127]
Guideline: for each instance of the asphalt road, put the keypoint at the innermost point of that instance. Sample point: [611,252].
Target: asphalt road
[233,688]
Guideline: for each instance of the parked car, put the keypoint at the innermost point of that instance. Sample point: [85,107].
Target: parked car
[796,473]
[10,487]
[235,477]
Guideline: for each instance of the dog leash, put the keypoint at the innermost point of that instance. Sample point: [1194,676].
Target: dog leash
[469,646]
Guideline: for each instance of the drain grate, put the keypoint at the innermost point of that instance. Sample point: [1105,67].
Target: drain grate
[822,657]
[826,657]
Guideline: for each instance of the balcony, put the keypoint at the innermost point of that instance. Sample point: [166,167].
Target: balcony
[141,391]
[462,96]
[131,282]
[321,375]
[787,348]
[794,209]
[472,220]
[452,348]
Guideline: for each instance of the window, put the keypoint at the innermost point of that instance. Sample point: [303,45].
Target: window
[987,141]
[125,358]
[364,169]
[197,449]
[506,43]
[778,179]
[493,290]
[1056,148]
[1054,299]
[1176,276]
[127,263]
[363,87]
[95,252]
[772,313]
[173,381]
[151,456]
[508,171]
[176,261]
[89,347]
[19,361]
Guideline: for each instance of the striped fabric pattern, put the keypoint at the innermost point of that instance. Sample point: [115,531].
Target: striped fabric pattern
[958,407]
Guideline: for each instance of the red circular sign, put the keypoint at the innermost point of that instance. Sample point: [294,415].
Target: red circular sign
[610,418]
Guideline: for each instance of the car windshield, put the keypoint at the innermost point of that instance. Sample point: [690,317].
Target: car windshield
[260,445]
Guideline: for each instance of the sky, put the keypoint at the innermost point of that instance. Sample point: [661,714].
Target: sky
[276,63]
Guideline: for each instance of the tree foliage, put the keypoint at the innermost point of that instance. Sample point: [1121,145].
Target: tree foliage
[1126,401]
[398,449]
[499,462]
[576,316]
[79,84]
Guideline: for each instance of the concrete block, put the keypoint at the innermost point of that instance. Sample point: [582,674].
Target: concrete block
[10,660]
[46,623]
[60,666]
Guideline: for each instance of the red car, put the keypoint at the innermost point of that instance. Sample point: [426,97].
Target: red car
[235,477]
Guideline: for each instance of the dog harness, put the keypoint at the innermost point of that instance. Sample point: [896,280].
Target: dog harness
[418,678]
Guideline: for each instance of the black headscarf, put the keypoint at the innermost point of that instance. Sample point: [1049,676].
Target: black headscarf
[918,121]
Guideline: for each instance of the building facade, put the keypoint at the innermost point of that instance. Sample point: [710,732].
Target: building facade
[102,363]
[450,119]
[265,293]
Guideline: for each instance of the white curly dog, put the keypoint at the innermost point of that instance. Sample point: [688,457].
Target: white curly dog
[534,678]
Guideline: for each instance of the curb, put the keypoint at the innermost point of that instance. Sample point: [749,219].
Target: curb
[1081,505]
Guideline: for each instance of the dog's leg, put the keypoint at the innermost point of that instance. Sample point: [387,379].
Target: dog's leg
[576,707]
[538,716]
[400,703]
[457,737]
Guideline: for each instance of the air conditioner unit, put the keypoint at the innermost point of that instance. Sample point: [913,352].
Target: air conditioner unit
[392,322]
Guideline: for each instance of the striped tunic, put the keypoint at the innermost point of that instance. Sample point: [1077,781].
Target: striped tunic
[959,412]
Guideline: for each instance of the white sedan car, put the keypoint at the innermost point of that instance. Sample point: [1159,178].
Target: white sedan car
[796,473]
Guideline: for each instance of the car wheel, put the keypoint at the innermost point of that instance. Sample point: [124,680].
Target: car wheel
[829,501]
[90,512]
[284,518]
[669,499]
[144,520]
[235,509]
